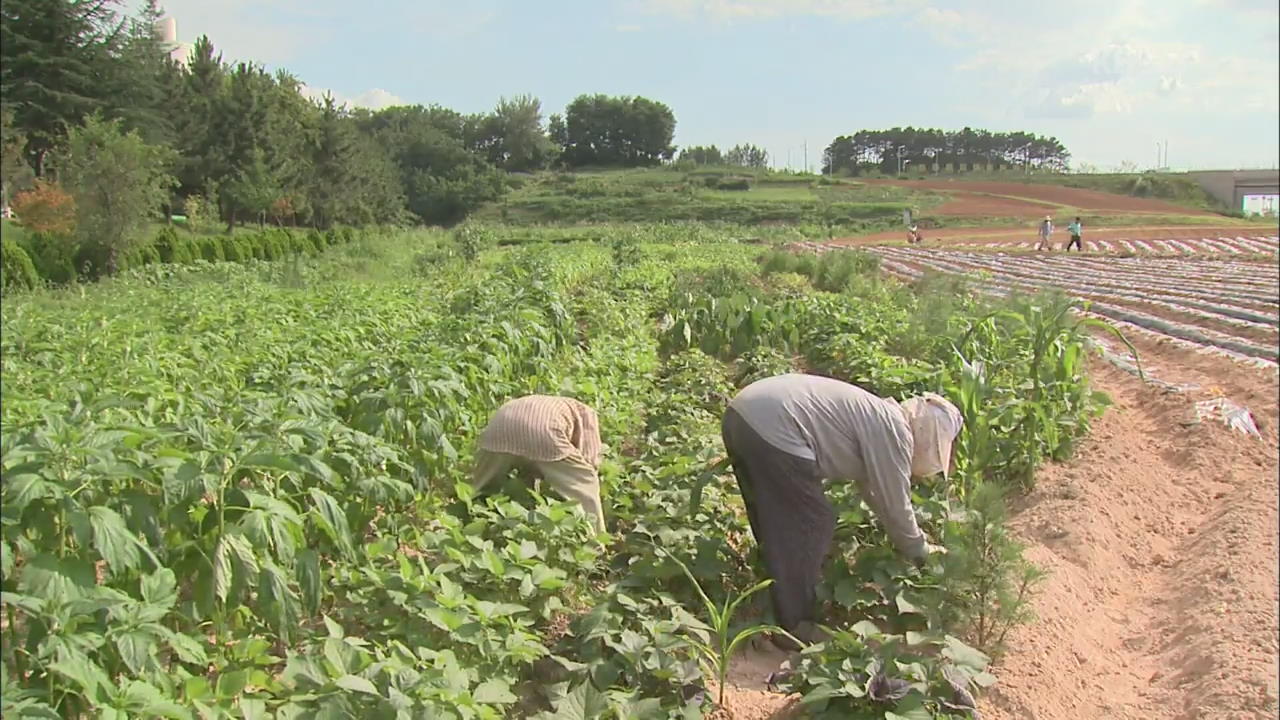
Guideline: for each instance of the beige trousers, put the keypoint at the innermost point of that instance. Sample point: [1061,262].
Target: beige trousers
[573,477]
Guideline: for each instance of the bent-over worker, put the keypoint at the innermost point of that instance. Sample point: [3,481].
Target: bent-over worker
[556,437]
[787,433]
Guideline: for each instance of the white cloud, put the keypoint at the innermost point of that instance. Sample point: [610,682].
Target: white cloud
[373,99]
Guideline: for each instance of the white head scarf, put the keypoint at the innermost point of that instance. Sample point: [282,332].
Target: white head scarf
[934,423]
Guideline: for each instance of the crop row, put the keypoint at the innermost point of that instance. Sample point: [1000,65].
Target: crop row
[1239,245]
[1229,308]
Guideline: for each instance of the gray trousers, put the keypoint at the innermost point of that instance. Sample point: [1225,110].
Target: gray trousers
[791,519]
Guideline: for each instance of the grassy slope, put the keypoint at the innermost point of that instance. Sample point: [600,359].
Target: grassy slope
[667,194]
[662,194]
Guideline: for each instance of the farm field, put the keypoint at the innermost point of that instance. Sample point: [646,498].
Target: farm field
[1159,586]
[1211,305]
[234,489]
[978,197]
[1145,240]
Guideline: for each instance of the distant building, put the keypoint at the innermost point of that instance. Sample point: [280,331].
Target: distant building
[1253,192]
[167,30]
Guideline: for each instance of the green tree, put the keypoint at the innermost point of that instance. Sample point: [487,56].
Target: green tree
[255,188]
[15,174]
[146,80]
[53,57]
[747,156]
[700,155]
[617,131]
[202,149]
[443,178]
[118,182]
[334,144]
[521,142]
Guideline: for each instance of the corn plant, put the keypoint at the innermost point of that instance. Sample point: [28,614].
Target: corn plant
[718,652]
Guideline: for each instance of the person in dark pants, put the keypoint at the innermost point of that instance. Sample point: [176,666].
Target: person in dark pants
[1075,229]
[787,433]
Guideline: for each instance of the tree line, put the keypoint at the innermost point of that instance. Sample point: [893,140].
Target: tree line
[748,156]
[239,144]
[956,150]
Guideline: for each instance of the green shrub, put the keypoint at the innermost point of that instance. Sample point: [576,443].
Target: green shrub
[175,248]
[211,249]
[235,249]
[304,244]
[140,255]
[56,257]
[17,272]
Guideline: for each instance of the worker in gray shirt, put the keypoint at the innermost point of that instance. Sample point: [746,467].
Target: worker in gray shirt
[785,434]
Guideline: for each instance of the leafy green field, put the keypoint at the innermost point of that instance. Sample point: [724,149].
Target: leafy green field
[233,490]
[721,195]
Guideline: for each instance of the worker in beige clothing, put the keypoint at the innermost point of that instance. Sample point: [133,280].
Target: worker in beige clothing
[557,437]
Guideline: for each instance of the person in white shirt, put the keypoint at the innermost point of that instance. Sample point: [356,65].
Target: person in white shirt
[787,433]
[1046,230]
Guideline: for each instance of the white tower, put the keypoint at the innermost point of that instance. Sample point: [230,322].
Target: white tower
[167,30]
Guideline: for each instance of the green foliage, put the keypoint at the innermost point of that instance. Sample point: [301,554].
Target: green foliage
[56,256]
[717,653]
[18,271]
[987,584]
[119,182]
[865,673]
[238,489]
[604,131]
[920,149]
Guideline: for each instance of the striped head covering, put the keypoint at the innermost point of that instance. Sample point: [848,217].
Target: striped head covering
[545,428]
[934,424]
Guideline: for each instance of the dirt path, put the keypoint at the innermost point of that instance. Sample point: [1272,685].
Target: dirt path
[1161,543]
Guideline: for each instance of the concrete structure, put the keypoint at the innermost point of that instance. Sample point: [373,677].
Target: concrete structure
[1245,190]
[167,30]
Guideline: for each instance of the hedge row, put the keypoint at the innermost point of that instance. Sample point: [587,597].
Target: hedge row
[36,259]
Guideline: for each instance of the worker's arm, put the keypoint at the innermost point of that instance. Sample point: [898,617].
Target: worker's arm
[886,453]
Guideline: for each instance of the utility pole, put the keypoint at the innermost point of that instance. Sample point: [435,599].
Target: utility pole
[806,155]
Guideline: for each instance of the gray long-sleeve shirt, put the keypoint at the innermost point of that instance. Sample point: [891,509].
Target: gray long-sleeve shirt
[850,433]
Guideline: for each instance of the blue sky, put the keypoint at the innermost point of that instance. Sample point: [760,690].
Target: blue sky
[1109,78]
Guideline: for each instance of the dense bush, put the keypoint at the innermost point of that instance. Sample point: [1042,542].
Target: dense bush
[53,255]
[17,272]
[58,260]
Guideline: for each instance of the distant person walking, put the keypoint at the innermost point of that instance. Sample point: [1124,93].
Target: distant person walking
[1075,229]
[913,235]
[1046,232]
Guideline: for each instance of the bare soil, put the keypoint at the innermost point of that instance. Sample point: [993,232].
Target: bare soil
[1160,538]
[1038,196]
[747,696]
